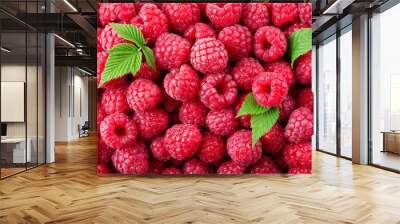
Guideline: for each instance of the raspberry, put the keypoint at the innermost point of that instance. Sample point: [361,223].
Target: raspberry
[300,125]
[116,12]
[151,21]
[240,148]
[182,141]
[270,43]
[218,91]
[269,89]
[231,167]
[286,107]
[305,13]
[298,154]
[109,38]
[273,140]
[245,119]
[303,69]
[198,31]
[305,98]
[208,55]
[265,166]
[245,71]
[156,167]
[158,150]
[99,47]
[282,68]
[171,51]
[211,149]
[118,131]
[175,163]
[284,13]
[193,112]
[181,15]
[114,101]
[223,16]
[222,122]
[280,161]
[172,171]
[151,123]
[292,28]
[237,40]
[255,15]
[101,114]
[101,62]
[143,94]
[182,84]
[299,170]
[131,160]
[170,104]
[102,169]
[104,152]
[146,72]
[195,166]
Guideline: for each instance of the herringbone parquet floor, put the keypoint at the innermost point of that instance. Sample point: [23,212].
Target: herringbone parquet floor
[69,191]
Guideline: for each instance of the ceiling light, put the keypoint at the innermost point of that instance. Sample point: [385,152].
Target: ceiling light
[70,5]
[64,40]
[5,49]
[84,71]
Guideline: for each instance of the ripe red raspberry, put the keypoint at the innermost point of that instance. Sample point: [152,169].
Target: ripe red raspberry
[303,69]
[208,55]
[158,150]
[151,123]
[299,170]
[300,125]
[230,167]
[193,112]
[182,83]
[292,28]
[104,152]
[143,94]
[151,21]
[223,16]
[169,104]
[181,15]
[146,72]
[199,31]
[99,47]
[116,12]
[156,167]
[240,148]
[255,15]
[273,140]
[171,51]
[282,68]
[305,98]
[172,171]
[218,91]
[211,149]
[280,161]
[114,101]
[237,40]
[109,38]
[305,13]
[102,169]
[118,131]
[182,141]
[195,166]
[265,166]
[270,43]
[298,154]
[101,114]
[284,13]
[132,159]
[286,107]
[245,71]
[245,119]
[222,122]
[269,89]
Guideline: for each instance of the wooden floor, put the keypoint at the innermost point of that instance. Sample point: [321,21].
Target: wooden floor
[69,191]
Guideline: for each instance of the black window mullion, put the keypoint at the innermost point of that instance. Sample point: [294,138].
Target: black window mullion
[338,76]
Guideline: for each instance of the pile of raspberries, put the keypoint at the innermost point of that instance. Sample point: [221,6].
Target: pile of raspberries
[181,117]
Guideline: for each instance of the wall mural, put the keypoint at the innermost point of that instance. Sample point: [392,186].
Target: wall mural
[204,88]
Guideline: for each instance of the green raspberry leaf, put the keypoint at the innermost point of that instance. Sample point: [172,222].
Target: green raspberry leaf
[148,54]
[262,123]
[300,43]
[250,106]
[129,32]
[122,59]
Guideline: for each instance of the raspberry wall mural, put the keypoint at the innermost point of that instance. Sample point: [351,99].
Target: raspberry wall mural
[204,88]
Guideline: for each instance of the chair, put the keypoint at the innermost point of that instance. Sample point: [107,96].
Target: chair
[84,130]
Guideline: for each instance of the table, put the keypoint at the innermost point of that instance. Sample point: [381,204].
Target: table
[391,141]
[17,148]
